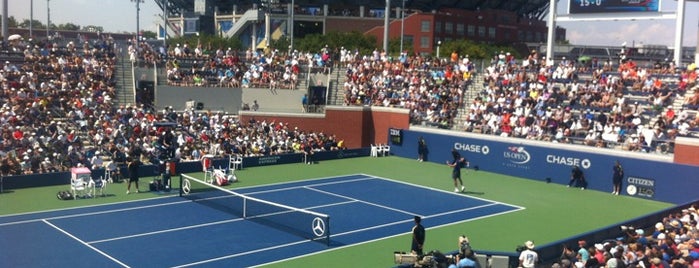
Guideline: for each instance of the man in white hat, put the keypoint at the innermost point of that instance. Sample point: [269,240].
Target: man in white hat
[528,257]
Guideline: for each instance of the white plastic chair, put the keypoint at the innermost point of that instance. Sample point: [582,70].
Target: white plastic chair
[235,162]
[98,185]
[374,150]
[385,150]
[109,168]
[80,185]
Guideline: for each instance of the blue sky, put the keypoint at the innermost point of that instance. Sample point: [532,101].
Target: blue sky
[120,15]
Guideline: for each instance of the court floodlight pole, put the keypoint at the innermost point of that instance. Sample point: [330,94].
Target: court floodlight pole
[386,25]
[5,20]
[138,18]
[679,29]
[551,31]
[402,26]
[291,26]
[31,18]
[48,19]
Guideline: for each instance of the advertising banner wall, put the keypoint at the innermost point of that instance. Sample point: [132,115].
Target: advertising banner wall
[549,162]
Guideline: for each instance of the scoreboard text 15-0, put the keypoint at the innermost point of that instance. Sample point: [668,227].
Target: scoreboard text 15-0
[612,6]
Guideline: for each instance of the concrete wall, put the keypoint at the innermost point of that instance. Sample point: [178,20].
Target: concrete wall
[357,126]
[214,98]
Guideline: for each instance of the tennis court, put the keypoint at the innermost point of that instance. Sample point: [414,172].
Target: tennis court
[196,231]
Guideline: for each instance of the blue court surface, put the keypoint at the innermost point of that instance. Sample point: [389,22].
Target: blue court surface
[179,232]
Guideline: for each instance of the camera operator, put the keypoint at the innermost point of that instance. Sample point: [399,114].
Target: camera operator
[466,256]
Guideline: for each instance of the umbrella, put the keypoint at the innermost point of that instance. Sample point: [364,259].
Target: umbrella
[14,37]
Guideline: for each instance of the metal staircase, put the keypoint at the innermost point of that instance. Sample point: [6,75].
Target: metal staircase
[469,95]
[250,16]
[125,82]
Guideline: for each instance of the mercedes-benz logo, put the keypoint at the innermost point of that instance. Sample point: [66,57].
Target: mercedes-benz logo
[318,227]
[186,186]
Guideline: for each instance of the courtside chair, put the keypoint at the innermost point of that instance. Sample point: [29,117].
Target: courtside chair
[80,186]
[208,168]
[98,185]
[385,150]
[236,162]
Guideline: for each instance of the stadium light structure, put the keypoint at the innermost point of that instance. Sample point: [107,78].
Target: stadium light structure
[386,25]
[138,18]
[5,30]
[31,18]
[48,19]
[291,26]
[402,25]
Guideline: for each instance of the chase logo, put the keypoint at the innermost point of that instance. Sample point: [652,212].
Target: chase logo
[473,148]
[517,155]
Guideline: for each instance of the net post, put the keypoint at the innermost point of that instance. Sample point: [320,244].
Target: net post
[181,192]
[327,231]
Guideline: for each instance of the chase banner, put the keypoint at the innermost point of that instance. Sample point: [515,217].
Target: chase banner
[553,162]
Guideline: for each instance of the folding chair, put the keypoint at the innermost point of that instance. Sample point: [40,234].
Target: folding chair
[98,185]
[235,162]
[207,168]
[499,261]
[374,150]
[80,185]
[385,150]
[483,260]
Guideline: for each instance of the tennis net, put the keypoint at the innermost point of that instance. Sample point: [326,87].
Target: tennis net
[307,224]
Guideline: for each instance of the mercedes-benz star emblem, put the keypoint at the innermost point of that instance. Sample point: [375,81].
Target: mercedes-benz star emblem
[318,227]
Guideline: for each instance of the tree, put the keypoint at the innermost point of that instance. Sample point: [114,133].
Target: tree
[149,34]
[69,27]
[11,21]
[35,24]
[394,46]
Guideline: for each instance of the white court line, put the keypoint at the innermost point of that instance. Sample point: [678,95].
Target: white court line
[206,224]
[307,185]
[86,244]
[165,231]
[385,237]
[94,213]
[439,190]
[362,201]
[342,234]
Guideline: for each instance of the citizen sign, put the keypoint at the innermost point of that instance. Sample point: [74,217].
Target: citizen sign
[640,181]
[473,148]
[568,161]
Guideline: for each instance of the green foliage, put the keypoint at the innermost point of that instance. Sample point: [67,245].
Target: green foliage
[11,21]
[350,40]
[475,50]
[282,44]
[149,34]
[35,24]
[68,27]
[394,46]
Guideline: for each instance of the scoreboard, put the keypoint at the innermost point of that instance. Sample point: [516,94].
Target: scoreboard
[612,6]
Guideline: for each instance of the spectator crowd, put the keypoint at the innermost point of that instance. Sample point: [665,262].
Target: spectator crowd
[58,111]
[671,243]
[615,105]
